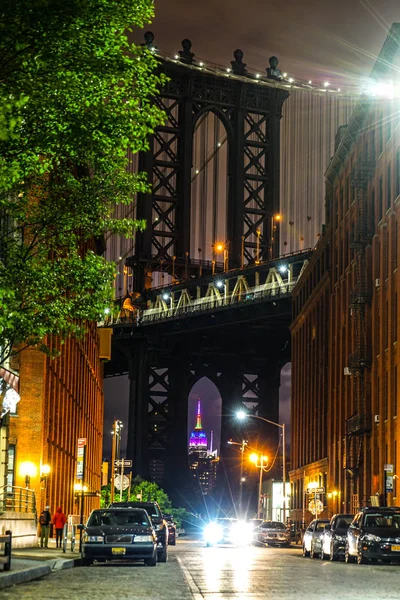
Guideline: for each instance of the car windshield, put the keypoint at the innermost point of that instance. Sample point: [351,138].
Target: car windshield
[321,526]
[119,518]
[343,522]
[151,509]
[389,520]
[273,525]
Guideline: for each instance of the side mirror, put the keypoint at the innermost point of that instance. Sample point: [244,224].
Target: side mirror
[327,527]
[81,527]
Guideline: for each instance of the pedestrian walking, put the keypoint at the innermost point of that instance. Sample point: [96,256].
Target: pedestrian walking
[59,521]
[44,522]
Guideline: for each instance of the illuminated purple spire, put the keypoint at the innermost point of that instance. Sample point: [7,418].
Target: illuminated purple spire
[198,438]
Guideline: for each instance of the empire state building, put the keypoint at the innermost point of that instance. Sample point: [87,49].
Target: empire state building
[202,460]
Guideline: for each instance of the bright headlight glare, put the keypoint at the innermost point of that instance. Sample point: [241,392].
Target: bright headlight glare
[93,538]
[369,537]
[143,538]
[242,532]
[213,533]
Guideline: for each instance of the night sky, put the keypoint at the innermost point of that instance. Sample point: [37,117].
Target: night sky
[336,40]
[313,40]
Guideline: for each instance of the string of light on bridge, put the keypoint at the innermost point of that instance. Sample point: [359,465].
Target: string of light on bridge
[368,87]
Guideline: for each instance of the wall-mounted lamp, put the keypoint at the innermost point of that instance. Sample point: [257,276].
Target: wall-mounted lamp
[27,470]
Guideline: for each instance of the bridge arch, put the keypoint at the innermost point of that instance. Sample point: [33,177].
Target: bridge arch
[212,136]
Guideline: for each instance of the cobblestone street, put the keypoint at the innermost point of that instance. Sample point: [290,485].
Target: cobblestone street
[196,572]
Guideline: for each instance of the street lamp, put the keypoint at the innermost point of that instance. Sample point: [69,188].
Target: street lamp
[28,470]
[44,473]
[275,219]
[263,459]
[242,445]
[222,247]
[242,415]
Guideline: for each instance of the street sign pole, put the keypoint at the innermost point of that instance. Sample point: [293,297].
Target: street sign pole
[121,481]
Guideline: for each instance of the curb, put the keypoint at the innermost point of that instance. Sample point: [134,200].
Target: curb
[31,573]
[24,576]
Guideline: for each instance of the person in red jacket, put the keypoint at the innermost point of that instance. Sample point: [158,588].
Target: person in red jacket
[59,521]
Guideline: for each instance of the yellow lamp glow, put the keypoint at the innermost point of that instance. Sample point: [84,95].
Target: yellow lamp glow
[219,247]
[27,469]
[253,458]
[264,459]
[278,217]
[45,470]
[335,493]
[312,485]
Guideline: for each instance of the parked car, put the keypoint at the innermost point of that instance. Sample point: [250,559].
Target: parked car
[274,533]
[374,534]
[160,524]
[312,537]
[119,534]
[172,532]
[334,536]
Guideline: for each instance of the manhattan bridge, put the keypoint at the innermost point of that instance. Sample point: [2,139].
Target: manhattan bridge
[205,291]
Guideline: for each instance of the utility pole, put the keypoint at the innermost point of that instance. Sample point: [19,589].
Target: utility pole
[115,448]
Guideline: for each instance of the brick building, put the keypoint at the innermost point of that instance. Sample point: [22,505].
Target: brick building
[61,401]
[345,327]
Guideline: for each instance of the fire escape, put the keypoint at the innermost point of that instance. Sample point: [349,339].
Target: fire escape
[358,425]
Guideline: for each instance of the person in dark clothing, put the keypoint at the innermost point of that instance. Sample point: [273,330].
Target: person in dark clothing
[59,521]
[44,522]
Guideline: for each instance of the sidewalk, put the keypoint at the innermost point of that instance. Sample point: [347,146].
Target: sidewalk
[32,563]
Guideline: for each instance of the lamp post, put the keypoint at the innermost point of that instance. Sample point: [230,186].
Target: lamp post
[44,473]
[275,219]
[241,415]
[242,445]
[263,459]
[222,247]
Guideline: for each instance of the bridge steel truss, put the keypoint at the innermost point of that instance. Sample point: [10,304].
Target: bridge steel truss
[240,344]
[250,113]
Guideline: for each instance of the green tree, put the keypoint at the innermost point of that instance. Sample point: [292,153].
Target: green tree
[75,105]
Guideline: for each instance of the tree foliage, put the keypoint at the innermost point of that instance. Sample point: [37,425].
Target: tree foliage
[75,103]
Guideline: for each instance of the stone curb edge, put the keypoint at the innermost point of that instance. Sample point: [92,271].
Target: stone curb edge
[25,575]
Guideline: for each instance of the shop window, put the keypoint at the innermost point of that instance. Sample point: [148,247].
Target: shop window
[11,465]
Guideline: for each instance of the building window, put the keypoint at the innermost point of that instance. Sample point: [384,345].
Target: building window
[385,396]
[11,465]
[380,200]
[389,186]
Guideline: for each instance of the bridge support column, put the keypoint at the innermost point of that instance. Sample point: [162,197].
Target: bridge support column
[137,445]
[178,480]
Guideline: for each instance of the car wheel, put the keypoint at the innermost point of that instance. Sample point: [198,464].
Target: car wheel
[361,560]
[151,562]
[86,562]
[332,555]
[305,552]
[163,554]
[347,556]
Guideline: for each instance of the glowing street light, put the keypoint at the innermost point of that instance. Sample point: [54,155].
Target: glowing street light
[254,458]
[241,415]
[222,247]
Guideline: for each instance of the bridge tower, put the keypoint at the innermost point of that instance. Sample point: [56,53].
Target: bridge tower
[164,362]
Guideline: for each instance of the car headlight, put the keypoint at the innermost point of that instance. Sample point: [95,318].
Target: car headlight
[339,538]
[213,533]
[369,537]
[92,539]
[242,532]
[143,538]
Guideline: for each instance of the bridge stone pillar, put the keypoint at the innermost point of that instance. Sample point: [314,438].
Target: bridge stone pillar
[137,444]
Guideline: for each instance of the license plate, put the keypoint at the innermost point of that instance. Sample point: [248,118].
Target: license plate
[118,550]
[396,548]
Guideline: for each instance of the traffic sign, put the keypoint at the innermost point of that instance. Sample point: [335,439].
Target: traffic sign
[315,507]
[125,482]
[318,490]
[125,463]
